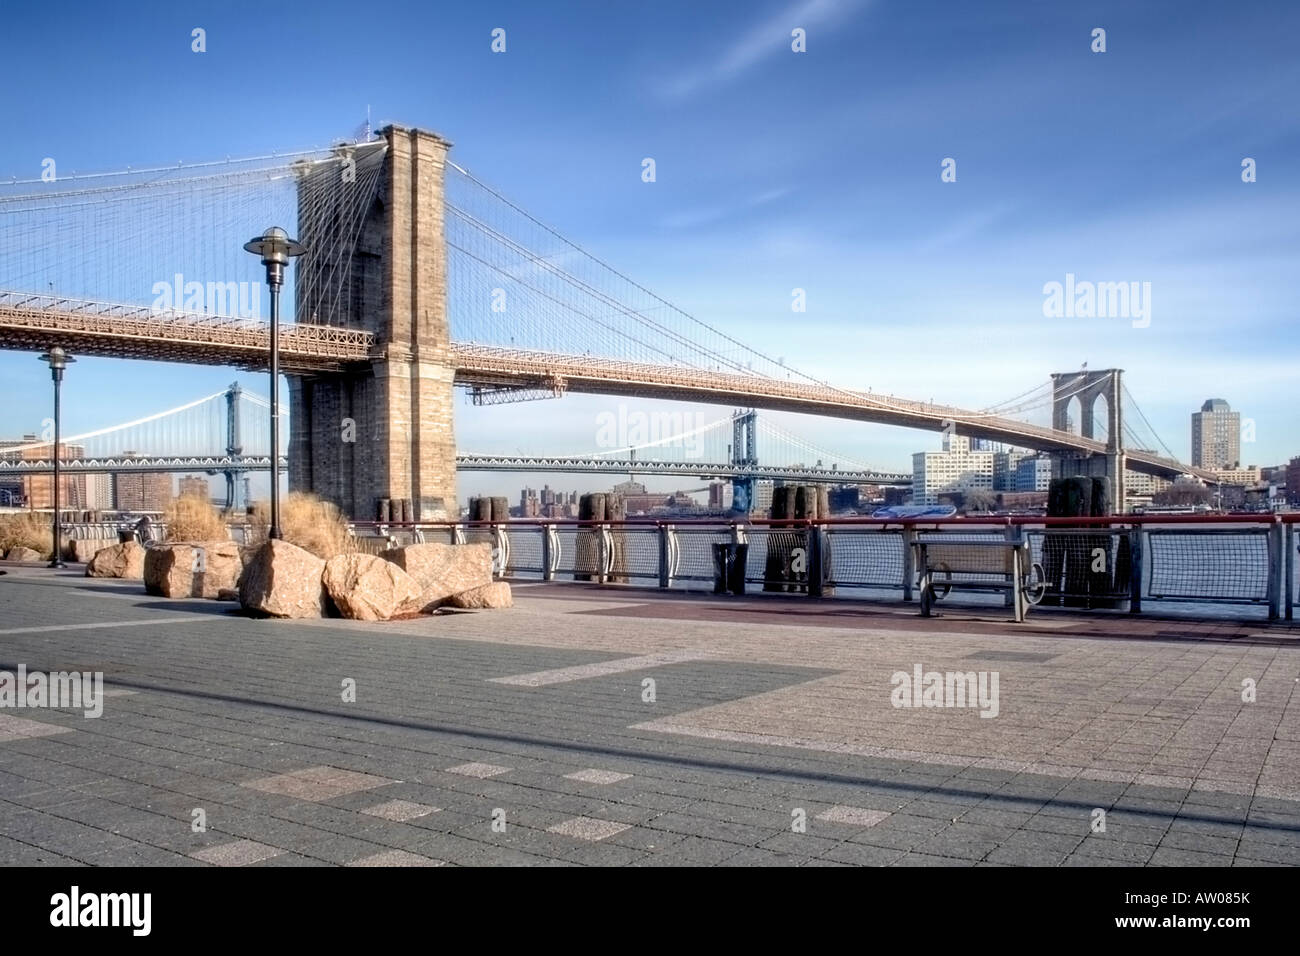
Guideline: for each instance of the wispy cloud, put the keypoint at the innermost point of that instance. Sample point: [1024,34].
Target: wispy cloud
[765,39]
[705,215]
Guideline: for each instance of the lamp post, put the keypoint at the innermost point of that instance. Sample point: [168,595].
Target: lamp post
[58,360]
[276,248]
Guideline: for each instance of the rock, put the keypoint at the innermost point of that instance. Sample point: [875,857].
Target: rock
[181,569]
[118,561]
[26,555]
[283,580]
[82,550]
[365,587]
[442,570]
[228,594]
[496,594]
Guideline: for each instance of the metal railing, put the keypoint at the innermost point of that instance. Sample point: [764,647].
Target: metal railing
[1118,563]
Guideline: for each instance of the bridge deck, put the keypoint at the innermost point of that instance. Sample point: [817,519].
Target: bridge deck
[36,322]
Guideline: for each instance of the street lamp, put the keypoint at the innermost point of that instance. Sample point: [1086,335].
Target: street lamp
[58,360]
[275,247]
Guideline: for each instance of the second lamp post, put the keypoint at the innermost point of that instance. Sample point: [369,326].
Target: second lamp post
[276,248]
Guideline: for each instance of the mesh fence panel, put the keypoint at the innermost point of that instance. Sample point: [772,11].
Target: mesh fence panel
[636,554]
[778,558]
[866,558]
[1083,565]
[525,552]
[695,552]
[1224,565]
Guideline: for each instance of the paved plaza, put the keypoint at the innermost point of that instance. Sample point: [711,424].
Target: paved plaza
[623,727]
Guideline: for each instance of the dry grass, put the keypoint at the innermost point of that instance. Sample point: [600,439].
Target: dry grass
[27,530]
[311,523]
[191,518]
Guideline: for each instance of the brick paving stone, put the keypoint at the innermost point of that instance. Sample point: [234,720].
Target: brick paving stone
[400,810]
[586,828]
[479,770]
[238,853]
[397,858]
[598,776]
[759,711]
[852,816]
[316,783]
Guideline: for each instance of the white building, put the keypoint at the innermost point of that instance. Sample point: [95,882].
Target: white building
[1238,476]
[955,468]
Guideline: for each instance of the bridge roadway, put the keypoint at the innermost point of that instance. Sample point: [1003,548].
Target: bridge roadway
[34,322]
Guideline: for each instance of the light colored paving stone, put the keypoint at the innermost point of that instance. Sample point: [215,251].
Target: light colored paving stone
[589,828]
[598,776]
[480,770]
[317,783]
[397,858]
[852,816]
[239,853]
[401,810]
[20,728]
[564,675]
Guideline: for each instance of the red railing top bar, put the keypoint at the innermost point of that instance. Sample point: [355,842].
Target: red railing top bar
[954,522]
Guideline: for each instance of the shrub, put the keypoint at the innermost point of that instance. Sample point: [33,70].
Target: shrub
[27,530]
[192,518]
[311,523]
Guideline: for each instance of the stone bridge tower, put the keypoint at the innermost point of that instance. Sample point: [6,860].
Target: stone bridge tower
[1087,387]
[377,260]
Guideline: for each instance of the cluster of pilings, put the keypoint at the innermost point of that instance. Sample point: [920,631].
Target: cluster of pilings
[792,554]
[489,509]
[1083,570]
[395,510]
[600,507]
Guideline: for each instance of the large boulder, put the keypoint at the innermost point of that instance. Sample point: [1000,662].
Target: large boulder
[283,580]
[26,555]
[442,570]
[496,594]
[124,560]
[181,569]
[365,587]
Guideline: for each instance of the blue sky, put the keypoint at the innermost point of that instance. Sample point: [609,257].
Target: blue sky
[775,170]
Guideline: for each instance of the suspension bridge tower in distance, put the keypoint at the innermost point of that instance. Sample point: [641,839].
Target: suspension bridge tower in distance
[373,225]
[1086,388]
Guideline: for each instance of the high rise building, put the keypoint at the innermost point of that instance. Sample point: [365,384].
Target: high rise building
[956,468]
[1033,473]
[1005,464]
[1216,435]
[194,486]
[37,491]
[716,489]
[1139,485]
[141,491]
[99,492]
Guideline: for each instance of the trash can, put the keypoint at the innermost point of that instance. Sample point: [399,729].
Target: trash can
[723,556]
[736,577]
[729,568]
